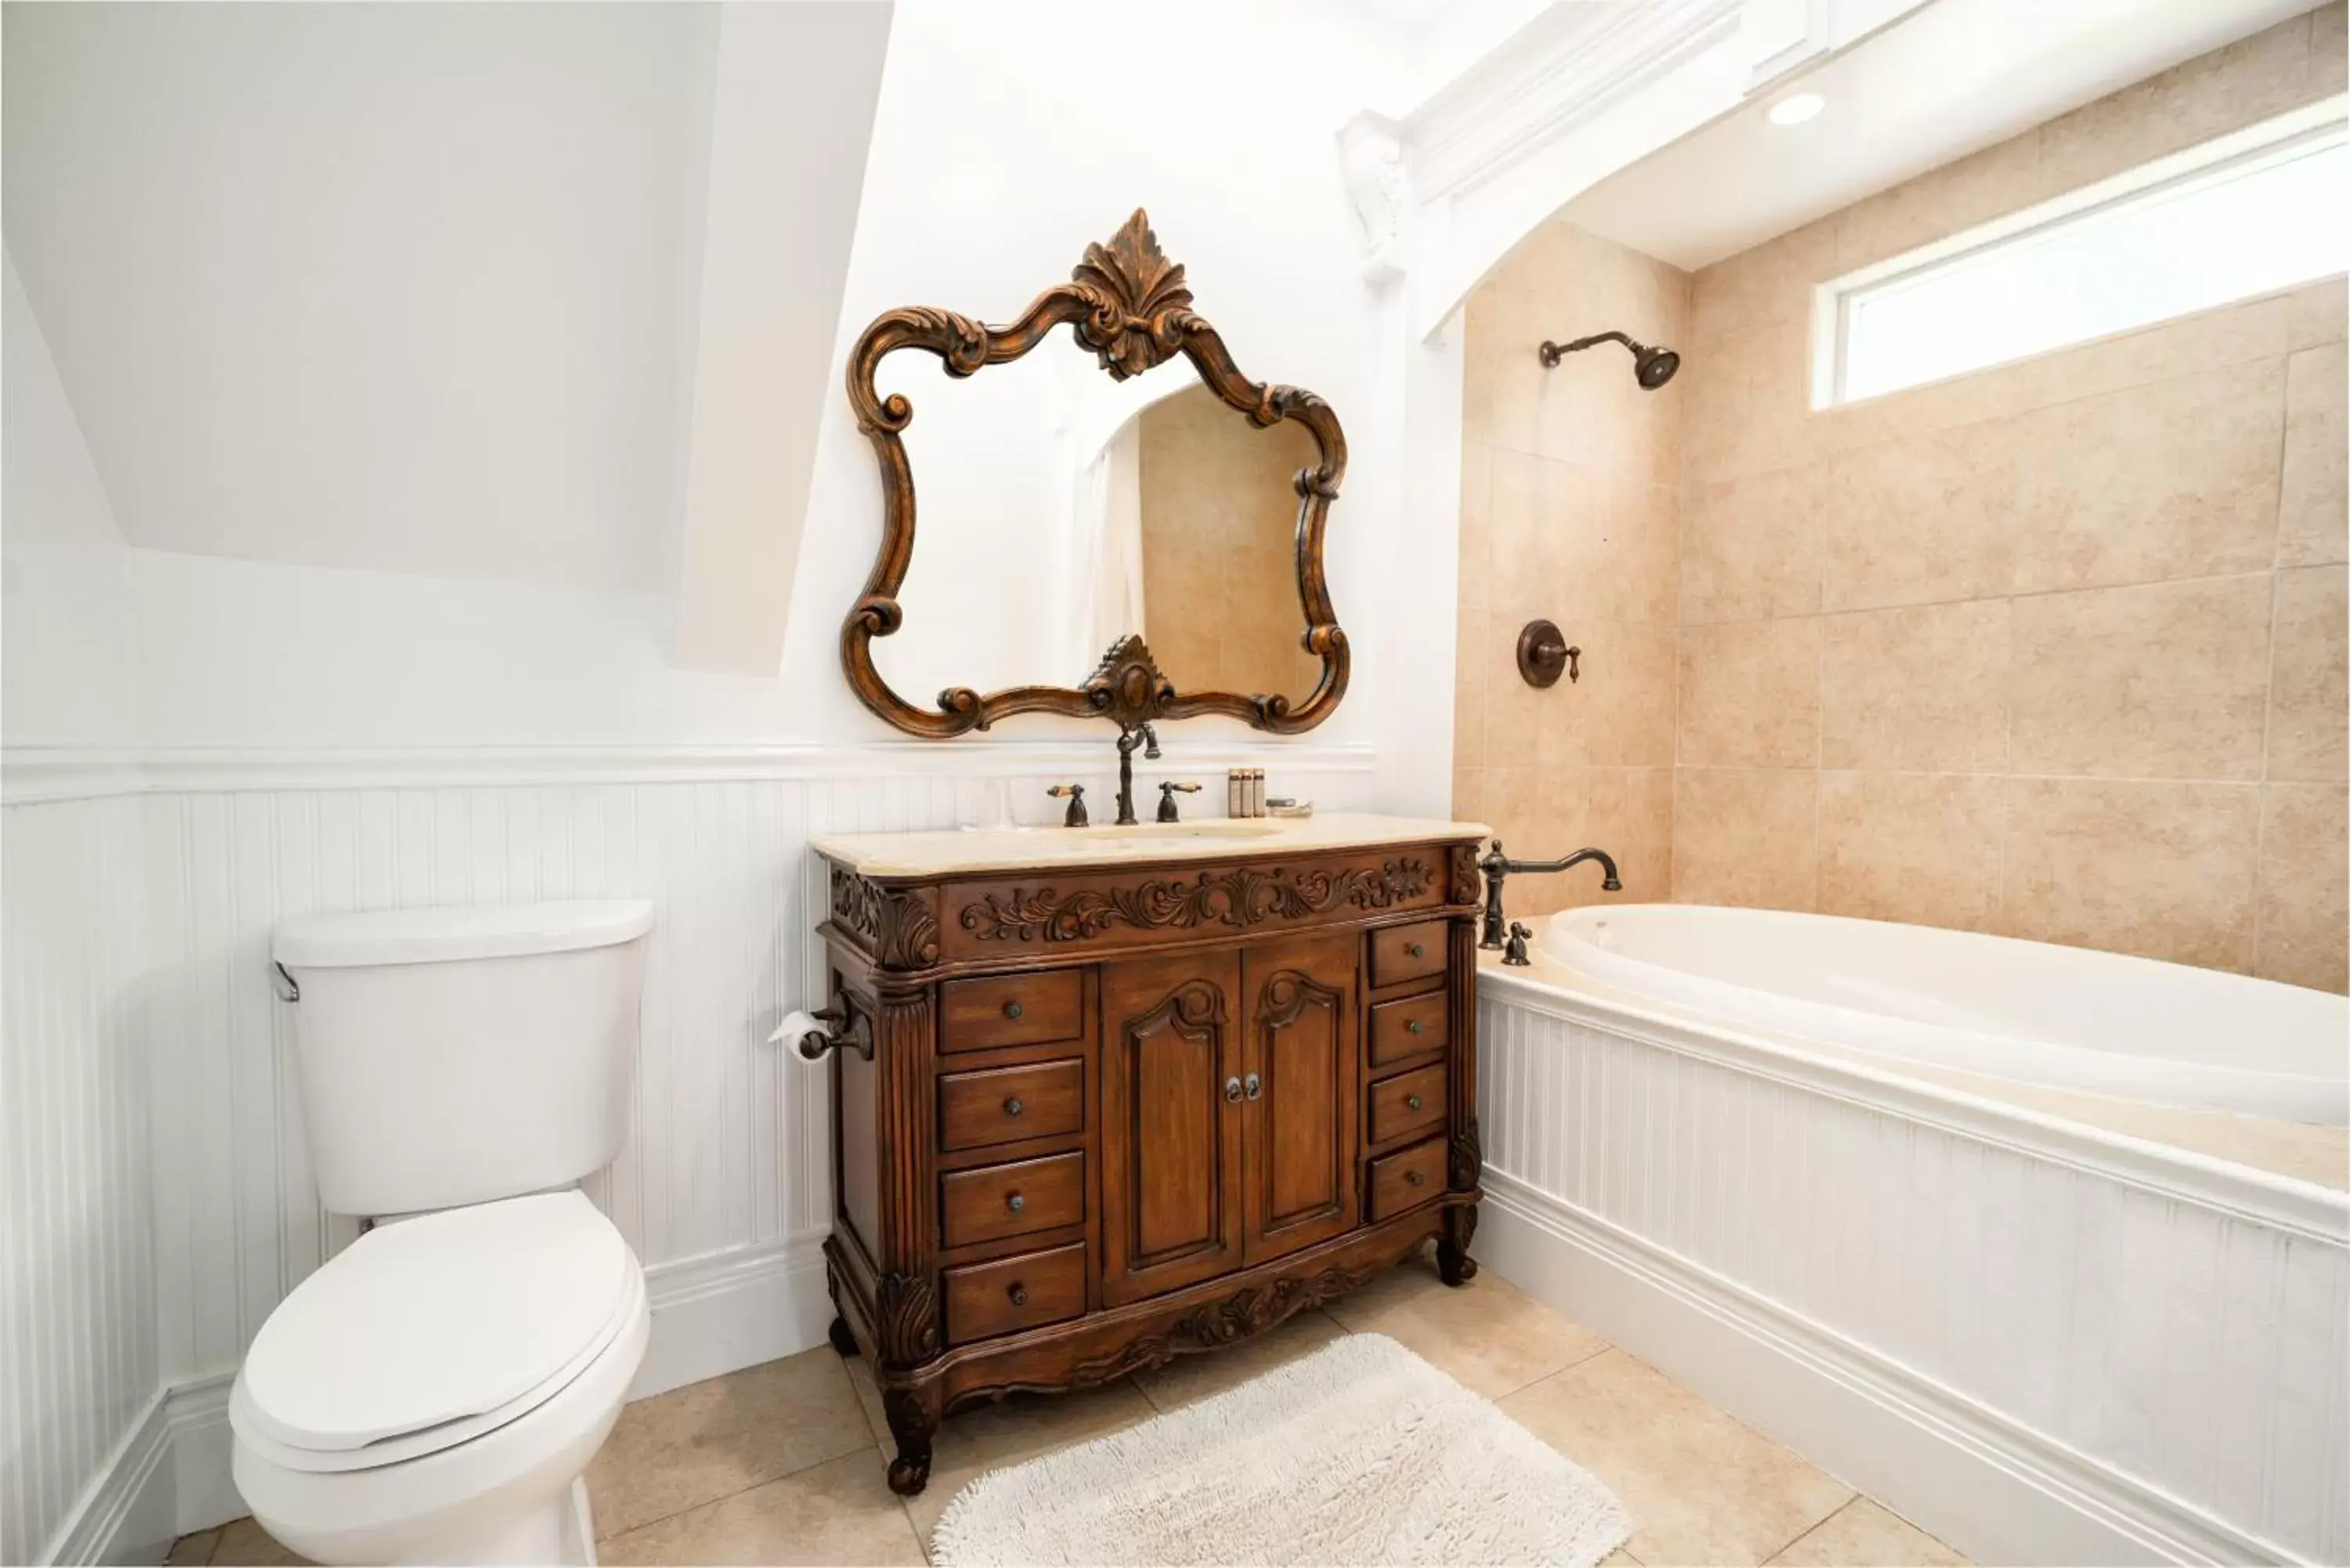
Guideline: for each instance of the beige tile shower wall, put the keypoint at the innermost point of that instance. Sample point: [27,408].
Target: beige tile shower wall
[1569,512]
[2056,649]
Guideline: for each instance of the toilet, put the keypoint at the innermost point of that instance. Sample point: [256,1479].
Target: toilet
[434,1392]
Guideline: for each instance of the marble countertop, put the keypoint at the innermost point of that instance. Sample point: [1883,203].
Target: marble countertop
[978,851]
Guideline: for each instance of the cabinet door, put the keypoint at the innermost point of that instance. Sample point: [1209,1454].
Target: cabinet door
[1300,1091]
[1171,1130]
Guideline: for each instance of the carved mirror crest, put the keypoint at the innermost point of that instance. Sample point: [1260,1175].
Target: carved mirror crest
[1128,303]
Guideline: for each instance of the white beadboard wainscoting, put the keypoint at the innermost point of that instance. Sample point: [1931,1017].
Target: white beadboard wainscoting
[158,1172]
[80,1378]
[2041,1342]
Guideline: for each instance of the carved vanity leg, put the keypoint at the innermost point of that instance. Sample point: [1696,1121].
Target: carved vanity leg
[913,1421]
[842,1340]
[1453,1263]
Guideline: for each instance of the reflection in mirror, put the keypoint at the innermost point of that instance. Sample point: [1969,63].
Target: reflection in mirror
[1059,510]
[1218,525]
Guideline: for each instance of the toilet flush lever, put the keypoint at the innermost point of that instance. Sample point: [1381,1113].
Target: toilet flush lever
[288,988]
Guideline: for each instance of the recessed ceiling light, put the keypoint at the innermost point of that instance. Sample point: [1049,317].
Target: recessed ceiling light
[1795,108]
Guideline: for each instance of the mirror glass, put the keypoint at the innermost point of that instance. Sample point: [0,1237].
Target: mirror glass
[1058,509]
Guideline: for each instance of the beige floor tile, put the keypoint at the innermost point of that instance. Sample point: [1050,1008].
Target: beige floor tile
[244,1544]
[1189,1378]
[1866,1534]
[1489,1335]
[192,1551]
[1024,1426]
[839,1512]
[869,1397]
[709,1440]
[1700,1486]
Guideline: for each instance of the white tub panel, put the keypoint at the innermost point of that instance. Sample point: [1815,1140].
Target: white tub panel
[2194,1348]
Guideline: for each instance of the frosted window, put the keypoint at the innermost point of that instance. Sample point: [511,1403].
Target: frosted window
[2254,223]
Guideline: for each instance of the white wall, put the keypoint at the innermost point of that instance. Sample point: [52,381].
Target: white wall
[394,287]
[65,645]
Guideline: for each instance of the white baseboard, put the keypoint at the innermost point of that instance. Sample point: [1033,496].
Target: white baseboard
[1995,1489]
[712,1315]
[200,1452]
[726,1310]
[126,1513]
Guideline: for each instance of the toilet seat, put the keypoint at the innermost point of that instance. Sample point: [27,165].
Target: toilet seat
[432,1331]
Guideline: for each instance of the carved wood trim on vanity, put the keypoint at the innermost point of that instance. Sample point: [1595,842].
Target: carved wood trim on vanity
[1128,303]
[1140,967]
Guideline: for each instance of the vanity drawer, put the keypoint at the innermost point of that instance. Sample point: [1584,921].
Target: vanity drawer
[1408,952]
[1407,1179]
[1011,1010]
[999,1201]
[1402,1106]
[1010,1293]
[1004,1105]
[1412,1027]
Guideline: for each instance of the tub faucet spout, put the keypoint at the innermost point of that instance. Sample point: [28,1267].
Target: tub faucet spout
[1497,865]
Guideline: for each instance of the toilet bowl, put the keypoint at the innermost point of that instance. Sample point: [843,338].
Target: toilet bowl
[434,1394]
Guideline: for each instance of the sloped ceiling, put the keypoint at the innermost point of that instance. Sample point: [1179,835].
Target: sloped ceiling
[405,287]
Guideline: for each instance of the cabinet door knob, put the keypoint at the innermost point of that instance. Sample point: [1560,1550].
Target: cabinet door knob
[1011,1010]
[1411,949]
[1255,1087]
[1413,1100]
[1413,1027]
[1016,1203]
[1013,1107]
[1417,1177]
[1232,1089]
[1019,1295]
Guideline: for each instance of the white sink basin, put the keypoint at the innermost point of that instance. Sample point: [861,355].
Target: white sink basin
[1144,835]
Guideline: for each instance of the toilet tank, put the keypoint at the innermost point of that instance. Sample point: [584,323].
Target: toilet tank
[454,1055]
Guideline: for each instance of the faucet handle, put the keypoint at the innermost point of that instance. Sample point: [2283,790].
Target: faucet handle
[1076,798]
[1166,791]
[1517,952]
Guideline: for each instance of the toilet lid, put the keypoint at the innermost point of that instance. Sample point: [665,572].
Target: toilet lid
[434,1320]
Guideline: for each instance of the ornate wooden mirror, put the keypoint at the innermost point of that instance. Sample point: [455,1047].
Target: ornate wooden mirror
[1148,509]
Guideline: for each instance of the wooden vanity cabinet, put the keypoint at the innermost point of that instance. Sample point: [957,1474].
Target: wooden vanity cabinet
[1086,1120]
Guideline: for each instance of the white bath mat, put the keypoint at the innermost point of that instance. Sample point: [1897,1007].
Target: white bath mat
[1360,1452]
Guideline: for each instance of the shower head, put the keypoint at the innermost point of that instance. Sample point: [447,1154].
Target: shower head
[1652,368]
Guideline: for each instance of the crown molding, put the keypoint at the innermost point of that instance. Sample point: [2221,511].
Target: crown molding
[1570,64]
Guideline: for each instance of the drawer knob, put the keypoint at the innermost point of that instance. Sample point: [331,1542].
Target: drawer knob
[1412,1101]
[1411,949]
[1016,1203]
[1412,1027]
[1019,1295]
[1014,1107]
[1417,1177]
[1011,1010]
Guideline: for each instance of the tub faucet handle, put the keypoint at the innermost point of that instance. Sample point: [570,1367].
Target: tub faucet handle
[1515,953]
[1075,795]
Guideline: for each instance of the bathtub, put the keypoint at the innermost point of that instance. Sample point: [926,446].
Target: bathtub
[2026,1241]
[2065,1017]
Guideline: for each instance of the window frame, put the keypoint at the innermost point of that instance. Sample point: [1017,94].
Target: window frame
[2311,128]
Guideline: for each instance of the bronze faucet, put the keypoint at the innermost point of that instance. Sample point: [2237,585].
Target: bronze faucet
[1496,865]
[1147,738]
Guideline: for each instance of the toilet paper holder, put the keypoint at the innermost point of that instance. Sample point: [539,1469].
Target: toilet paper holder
[827,1029]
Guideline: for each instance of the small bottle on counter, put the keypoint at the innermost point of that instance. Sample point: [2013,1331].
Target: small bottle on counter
[1232,793]
[1256,792]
